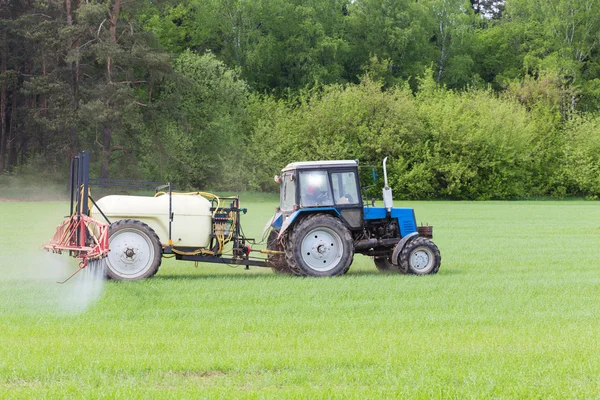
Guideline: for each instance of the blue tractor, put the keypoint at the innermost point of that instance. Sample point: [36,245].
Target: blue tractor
[322,221]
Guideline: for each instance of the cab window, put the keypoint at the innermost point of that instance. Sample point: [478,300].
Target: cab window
[287,192]
[345,190]
[314,189]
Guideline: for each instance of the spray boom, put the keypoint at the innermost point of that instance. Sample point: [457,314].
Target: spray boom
[83,237]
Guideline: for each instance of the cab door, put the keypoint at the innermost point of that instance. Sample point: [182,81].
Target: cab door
[347,196]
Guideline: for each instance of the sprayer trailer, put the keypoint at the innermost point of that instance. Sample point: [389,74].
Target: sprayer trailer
[321,222]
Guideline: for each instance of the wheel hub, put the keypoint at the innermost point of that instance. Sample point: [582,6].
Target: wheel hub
[321,249]
[420,259]
[131,253]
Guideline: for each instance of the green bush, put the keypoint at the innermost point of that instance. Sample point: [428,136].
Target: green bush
[481,145]
[440,144]
[580,171]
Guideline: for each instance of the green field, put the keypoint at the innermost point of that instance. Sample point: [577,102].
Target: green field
[513,313]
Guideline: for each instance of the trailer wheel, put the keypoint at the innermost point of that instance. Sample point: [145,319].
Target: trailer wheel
[277,261]
[135,251]
[420,257]
[319,245]
[385,264]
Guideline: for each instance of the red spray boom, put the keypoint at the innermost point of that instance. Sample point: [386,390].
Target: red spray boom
[83,237]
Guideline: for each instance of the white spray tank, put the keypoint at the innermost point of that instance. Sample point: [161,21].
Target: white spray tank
[388,202]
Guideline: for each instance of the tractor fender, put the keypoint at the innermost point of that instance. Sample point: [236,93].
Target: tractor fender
[275,222]
[401,244]
[292,217]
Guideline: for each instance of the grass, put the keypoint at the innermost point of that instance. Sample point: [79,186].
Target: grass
[513,313]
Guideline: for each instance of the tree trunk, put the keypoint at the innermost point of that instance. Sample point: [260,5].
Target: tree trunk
[105,165]
[11,142]
[107,134]
[3,104]
[73,134]
[113,20]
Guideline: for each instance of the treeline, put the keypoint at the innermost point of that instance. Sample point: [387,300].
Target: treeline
[480,99]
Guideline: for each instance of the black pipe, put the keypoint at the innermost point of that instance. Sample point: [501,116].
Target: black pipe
[72,184]
[371,243]
[99,209]
[170,212]
[85,176]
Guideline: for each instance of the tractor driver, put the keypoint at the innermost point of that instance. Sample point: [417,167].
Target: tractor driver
[313,195]
[316,192]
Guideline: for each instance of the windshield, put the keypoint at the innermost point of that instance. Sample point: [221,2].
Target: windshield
[314,189]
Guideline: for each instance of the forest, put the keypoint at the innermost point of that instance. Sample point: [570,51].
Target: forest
[479,99]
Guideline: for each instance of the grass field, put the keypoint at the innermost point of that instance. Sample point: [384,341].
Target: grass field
[513,313]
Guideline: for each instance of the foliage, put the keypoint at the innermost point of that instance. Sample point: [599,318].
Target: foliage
[440,144]
[469,99]
[581,168]
[199,140]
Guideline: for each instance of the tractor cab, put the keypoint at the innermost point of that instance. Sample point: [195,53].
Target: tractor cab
[325,186]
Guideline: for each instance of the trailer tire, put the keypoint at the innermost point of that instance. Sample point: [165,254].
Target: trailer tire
[277,261]
[135,251]
[319,245]
[420,257]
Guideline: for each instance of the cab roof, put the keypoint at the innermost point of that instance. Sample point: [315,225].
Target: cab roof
[320,164]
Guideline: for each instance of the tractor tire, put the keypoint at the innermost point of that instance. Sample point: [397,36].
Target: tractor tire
[277,261]
[135,251]
[384,264]
[420,257]
[319,245]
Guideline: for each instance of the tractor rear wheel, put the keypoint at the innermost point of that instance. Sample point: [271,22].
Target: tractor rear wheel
[385,264]
[135,251]
[319,245]
[420,257]
[277,261]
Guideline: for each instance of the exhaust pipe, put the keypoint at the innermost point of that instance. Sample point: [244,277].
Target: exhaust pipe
[388,202]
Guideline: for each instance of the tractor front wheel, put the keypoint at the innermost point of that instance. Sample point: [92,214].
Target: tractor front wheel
[319,245]
[420,257]
[135,251]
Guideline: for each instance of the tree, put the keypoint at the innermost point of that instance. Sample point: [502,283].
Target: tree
[200,137]
[491,9]
[397,31]
[122,66]
[454,35]
[276,44]
[560,38]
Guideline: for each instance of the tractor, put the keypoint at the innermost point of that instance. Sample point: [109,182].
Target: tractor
[321,222]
